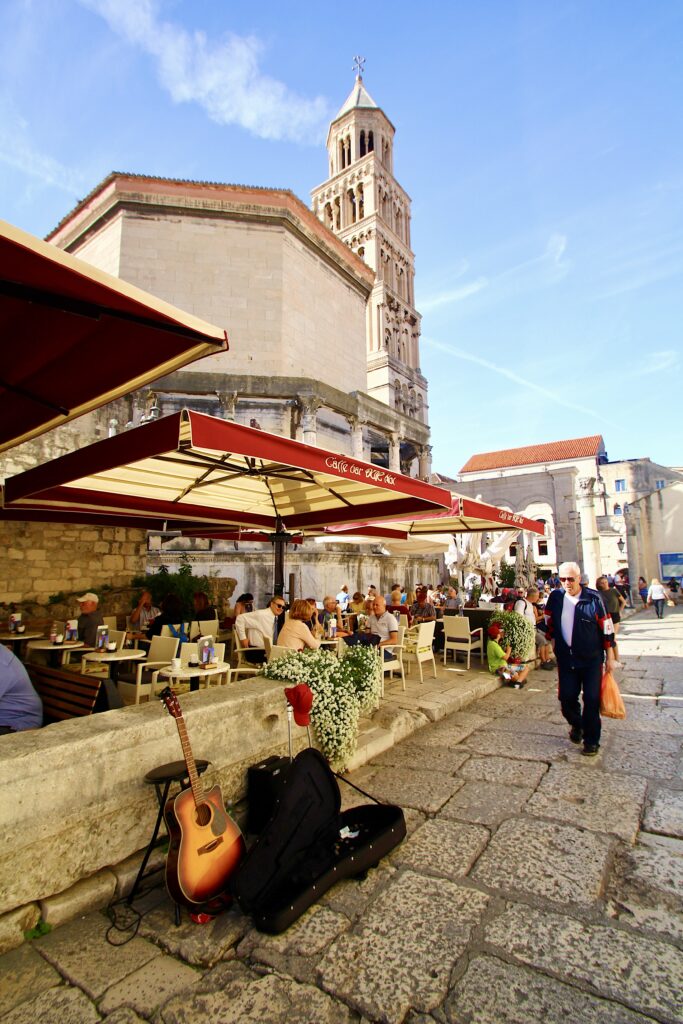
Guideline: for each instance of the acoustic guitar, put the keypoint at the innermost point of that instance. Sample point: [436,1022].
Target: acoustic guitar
[205,843]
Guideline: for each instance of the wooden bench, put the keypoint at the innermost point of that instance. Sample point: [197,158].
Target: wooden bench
[64,694]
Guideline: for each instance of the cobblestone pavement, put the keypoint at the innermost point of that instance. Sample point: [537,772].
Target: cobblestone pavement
[535,885]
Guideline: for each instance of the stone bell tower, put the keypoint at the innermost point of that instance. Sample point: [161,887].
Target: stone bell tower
[365,206]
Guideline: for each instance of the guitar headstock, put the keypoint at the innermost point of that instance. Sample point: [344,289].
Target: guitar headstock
[171,701]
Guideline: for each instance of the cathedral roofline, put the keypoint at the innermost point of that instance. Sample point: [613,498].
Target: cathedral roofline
[207,199]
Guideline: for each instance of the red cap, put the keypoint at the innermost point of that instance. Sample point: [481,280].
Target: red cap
[301,699]
[494,630]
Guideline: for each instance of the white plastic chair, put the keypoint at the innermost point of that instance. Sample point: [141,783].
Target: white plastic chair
[459,637]
[277,652]
[247,668]
[418,645]
[162,650]
[395,663]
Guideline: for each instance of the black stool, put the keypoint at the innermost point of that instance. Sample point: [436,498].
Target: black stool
[162,778]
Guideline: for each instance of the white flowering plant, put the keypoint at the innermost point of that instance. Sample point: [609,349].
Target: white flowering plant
[518,632]
[343,688]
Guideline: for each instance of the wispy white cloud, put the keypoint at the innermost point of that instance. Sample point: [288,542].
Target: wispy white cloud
[551,396]
[454,295]
[547,267]
[18,151]
[223,77]
[654,362]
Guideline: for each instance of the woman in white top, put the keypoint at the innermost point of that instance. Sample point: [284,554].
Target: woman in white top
[296,632]
[657,595]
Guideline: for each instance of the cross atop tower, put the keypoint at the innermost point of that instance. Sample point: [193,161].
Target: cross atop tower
[359,66]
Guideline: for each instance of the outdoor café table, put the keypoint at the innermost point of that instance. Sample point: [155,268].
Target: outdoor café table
[59,653]
[15,640]
[195,673]
[112,658]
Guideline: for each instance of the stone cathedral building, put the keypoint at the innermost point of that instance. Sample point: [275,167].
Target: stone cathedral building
[318,304]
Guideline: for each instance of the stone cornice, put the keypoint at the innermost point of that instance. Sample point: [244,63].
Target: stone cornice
[233,202]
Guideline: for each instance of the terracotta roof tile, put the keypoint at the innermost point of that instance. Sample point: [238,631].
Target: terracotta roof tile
[553,451]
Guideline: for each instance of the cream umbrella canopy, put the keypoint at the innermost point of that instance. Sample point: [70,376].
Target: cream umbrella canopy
[189,466]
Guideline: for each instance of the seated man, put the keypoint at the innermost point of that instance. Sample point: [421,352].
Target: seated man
[20,705]
[331,611]
[144,614]
[384,625]
[422,610]
[343,597]
[498,659]
[252,627]
[89,619]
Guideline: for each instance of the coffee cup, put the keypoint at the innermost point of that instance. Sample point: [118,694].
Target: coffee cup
[176,664]
[21,629]
[194,662]
[111,647]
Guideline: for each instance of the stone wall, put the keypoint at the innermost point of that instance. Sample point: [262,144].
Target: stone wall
[73,800]
[41,560]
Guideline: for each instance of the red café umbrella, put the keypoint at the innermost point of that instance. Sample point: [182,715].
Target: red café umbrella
[465,515]
[75,338]
[190,466]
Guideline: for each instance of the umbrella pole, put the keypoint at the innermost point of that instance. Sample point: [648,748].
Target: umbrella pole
[279,540]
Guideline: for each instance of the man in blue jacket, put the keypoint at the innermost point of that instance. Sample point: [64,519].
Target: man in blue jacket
[582,633]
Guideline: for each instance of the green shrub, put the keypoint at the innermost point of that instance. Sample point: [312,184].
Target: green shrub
[182,583]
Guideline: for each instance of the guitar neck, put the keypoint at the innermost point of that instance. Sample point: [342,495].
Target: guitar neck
[197,789]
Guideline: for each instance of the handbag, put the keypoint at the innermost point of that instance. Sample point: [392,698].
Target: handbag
[670,603]
[611,703]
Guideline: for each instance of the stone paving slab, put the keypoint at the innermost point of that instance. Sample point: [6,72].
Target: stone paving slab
[437,759]
[646,887]
[664,813]
[503,769]
[297,951]
[631,754]
[521,746]
[81,953]
[486,803]
[352,896]
[442,848]
[494,992]
[201,947]
[644,974]
[527,724]
[596,800]
[450,731]
[543,858]
[231,993]
[425,791]
[152,985]
[62,1005]
[24,972]
[403,950]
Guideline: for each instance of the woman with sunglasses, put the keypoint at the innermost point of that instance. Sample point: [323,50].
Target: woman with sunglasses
[582,634]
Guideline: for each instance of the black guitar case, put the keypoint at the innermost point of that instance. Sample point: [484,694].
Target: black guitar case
[308,845]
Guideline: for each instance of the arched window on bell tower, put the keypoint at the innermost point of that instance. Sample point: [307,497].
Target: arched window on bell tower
[371,142]
[363,148]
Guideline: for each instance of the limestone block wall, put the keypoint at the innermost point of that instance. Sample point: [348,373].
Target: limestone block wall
[39,560]
[286,311]
[73,800]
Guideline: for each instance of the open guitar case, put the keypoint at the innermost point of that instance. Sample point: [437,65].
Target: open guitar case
[309,844]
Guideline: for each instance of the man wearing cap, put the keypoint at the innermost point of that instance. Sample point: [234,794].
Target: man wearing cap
[89,619]
[498,659]
[583,636]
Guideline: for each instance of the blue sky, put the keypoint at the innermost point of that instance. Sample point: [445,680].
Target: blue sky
[541,145]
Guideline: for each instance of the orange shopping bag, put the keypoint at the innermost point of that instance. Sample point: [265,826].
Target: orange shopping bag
[611,704]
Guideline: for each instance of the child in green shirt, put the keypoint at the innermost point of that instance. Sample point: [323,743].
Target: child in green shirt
[498,659]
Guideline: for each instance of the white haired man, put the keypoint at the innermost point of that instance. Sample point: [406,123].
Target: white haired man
[582,634]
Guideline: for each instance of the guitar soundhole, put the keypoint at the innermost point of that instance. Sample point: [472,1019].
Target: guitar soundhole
[203,814]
